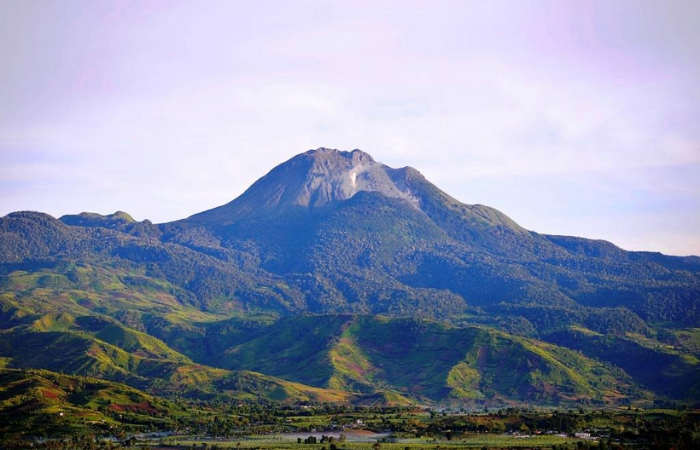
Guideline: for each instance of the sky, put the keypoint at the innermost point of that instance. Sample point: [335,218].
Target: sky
[576,118]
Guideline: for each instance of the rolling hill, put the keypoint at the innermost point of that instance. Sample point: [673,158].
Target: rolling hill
[427,360]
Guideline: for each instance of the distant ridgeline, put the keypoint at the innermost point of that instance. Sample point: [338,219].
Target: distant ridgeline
[335,278]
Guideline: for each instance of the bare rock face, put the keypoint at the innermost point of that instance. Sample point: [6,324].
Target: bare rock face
[313,180]
[336,176]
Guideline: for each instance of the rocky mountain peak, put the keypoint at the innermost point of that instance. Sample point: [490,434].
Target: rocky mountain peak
[312,180]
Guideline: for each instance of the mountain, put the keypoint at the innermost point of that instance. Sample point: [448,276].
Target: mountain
[299,268]
[349,234]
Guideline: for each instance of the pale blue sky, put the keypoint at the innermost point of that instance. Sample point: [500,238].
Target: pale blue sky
[576,117]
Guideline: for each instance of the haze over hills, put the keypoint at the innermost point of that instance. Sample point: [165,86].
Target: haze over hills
[511,315]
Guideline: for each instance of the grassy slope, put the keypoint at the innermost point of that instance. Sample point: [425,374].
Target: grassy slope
[659,367]
[445,362]
[78,354]
[34,401]
[683,340]
[62,322]
[425,360]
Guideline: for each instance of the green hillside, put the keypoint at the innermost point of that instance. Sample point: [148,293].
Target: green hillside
[36,402]
[428,361]
[659,366]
